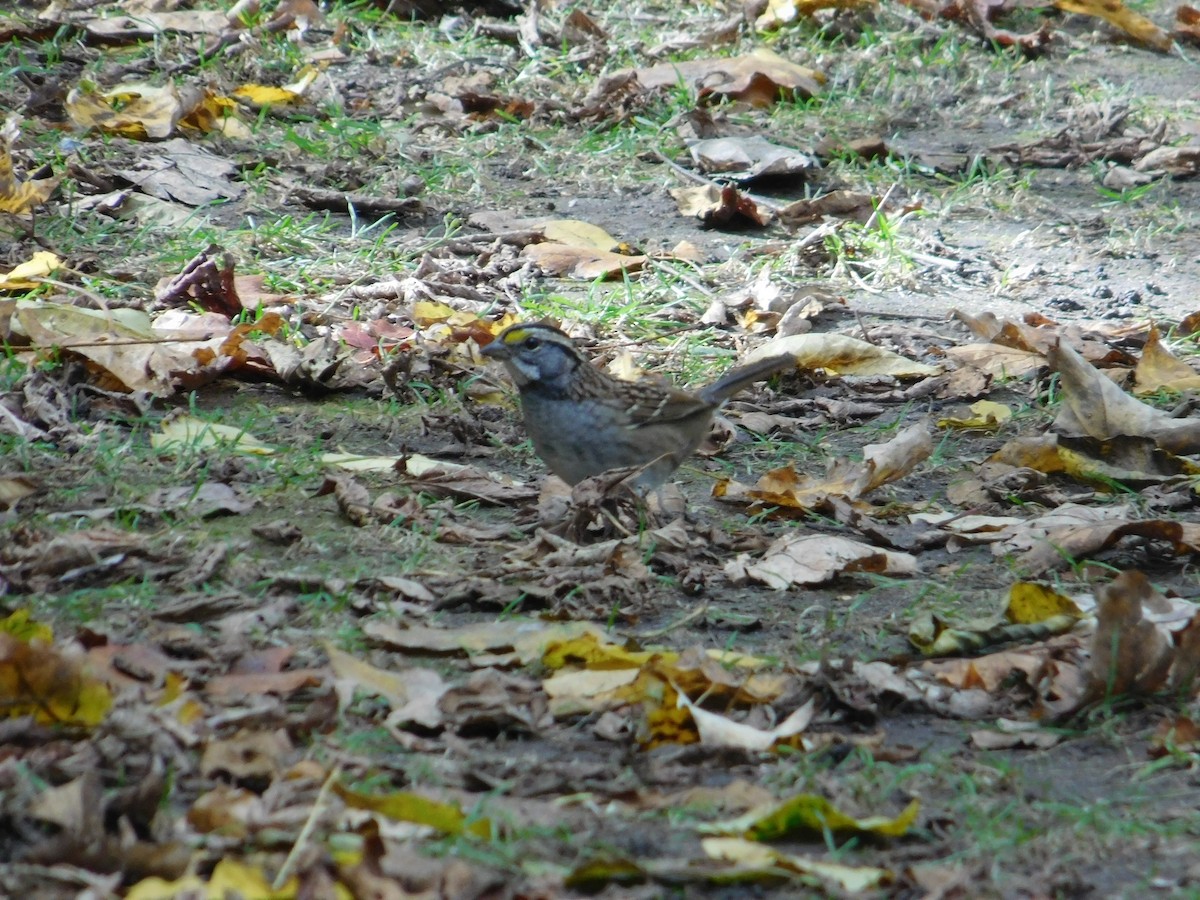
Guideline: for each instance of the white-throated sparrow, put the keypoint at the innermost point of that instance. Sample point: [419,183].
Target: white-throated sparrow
[584,422]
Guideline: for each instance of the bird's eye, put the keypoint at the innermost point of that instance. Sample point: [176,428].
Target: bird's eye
[532,343]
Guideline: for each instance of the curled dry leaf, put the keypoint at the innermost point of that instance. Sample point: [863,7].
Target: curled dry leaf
[1129,653]
[882,463]
[720,731]
[842,355]
[1159,369]
[761,78]
[717,205]
[1094,406]
[796,561]
[18,197]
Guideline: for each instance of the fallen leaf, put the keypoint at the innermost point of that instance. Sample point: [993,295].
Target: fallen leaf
[800,560]
[1116,13]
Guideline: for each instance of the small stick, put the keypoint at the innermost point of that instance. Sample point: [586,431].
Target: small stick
[310,825]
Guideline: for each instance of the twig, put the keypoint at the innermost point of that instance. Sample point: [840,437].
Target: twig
[310,824]
[695,614]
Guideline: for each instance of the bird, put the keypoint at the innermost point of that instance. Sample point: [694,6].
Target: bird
[583,421]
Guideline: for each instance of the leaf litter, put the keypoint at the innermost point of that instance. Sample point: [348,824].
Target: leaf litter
[515,663]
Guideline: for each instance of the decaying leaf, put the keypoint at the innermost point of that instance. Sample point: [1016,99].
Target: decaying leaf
[811,814]
[134,109]
[49,684]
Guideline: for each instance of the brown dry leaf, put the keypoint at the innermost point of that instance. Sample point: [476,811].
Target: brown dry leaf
[1117,14]
[255,756]
[841,355]
[232,811]
[1094,406]
[717,205]
[1180,734]
[1159,368]
[1009,734]
[882,463]
[748,157]
[446,479]
[1129,653]
[800,560]
[15,488]
[760,78]
[521,641]
[181,171]
[839,204]
[998,360]
[585,263]
[147,25]
[1061,546]
[412,693]
[1187,24]
[252,683]
[17,196]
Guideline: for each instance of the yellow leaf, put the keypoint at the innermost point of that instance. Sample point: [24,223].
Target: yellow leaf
[1029,603]
[404,806]
[38,680]
[590,652]
[430,312]
[230,878]
[988,416]
[134,110]
[1117,14]
[40,265]
[579,234]
[852,879]
[811,813]
[265,95]
[196,434]
[214,113]
[20,626]
[19,196]
[841,354]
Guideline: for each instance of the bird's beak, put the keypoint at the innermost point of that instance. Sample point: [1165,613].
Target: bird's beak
[495,350]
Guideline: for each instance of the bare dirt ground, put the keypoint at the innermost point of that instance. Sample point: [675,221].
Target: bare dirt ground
[284,640]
